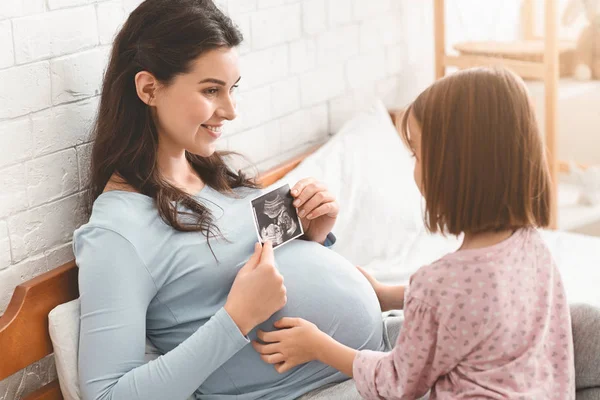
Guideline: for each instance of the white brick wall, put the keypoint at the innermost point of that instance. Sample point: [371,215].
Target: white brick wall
[307,66]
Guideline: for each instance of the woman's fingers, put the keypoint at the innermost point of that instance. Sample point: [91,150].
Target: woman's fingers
[273,358]
[265,349]
[314,202]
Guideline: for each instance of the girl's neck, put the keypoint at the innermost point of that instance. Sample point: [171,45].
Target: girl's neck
[485,239]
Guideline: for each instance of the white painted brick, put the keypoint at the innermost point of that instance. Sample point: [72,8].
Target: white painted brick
[253,109]
[339,12]
[63,126]
[84,154]
[55,4]
[55,33]
[395,59]
[305,126]
[365,9]
[322,84]
[35,375]
[241,6]
[285,97]
[15,141]
[7,54]
[130,5]
[341,109]
[388,90]
[344,108]
[264,66]
[276,25]
[52,177]
[258,144]
[78,76]
[18,8]
[338,45]
[59,255]
[270,3]
[13,196]
[15,275]
[243,24]
[303,55]
[42,228]
[366,69]
[111,17]
[4,246]
[379,32]
[314,16]
[25,89]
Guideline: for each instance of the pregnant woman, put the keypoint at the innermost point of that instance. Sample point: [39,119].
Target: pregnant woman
[170,252]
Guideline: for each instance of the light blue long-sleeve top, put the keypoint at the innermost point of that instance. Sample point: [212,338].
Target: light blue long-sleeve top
[139,278]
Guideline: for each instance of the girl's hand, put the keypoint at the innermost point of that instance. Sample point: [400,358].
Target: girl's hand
[317,208]
[297,342]
[390,297]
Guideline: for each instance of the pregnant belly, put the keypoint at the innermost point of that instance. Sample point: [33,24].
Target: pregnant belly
[323,288]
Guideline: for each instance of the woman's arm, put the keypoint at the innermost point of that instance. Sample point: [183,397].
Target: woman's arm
[116,289]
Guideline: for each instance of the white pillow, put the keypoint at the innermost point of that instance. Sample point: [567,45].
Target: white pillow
[370,171]
[63,324]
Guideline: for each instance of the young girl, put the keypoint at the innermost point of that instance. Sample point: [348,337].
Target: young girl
[490,320]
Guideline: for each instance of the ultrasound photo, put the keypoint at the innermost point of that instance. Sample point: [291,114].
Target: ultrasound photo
[275,217]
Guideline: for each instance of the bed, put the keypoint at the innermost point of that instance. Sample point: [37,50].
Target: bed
[380,227]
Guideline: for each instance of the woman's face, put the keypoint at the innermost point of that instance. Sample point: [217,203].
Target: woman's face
[192,109]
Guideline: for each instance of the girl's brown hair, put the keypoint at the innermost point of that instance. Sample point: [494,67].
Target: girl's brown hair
[483,162]
[163,37]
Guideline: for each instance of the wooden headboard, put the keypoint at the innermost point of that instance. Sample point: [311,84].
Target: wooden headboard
[24,336]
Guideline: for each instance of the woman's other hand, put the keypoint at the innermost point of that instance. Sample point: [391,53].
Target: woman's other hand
[257,291]
[317,208]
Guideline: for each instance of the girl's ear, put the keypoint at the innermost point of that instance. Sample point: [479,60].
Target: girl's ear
[145,86]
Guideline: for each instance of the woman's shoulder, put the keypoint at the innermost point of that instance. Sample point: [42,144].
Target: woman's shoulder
[120,209]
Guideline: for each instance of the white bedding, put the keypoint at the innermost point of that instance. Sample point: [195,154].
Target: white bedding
[380,225]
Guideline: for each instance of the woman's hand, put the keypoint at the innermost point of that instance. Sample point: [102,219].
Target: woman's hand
[297,342]
[390,297]
[317,208]
[257,291]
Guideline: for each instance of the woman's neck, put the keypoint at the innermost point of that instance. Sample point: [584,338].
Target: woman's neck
[484,239]
[175,168]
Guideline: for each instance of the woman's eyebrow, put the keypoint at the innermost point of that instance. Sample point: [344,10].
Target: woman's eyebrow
[217,81]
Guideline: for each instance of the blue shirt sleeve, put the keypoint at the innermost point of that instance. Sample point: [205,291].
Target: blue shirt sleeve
[329,240]
[115,291]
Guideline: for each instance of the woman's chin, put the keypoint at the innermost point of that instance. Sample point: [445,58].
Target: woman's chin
[204,151]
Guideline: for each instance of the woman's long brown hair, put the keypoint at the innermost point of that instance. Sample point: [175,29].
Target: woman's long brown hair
[162,37]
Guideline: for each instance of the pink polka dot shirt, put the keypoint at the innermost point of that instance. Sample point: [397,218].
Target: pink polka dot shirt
[488,323]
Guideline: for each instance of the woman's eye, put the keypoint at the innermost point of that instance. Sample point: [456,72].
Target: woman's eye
[211,91]
[233,88]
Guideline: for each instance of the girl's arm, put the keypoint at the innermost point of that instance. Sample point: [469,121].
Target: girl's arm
[390,297]
[425,350]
